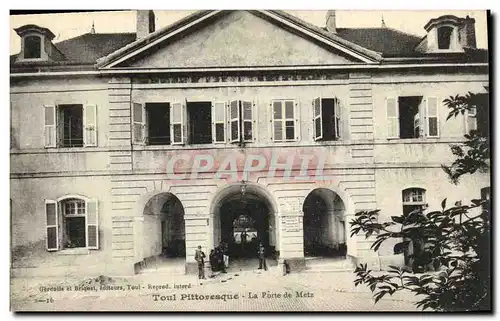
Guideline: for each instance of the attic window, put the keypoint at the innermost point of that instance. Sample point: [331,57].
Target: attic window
[32,47]
[444,37]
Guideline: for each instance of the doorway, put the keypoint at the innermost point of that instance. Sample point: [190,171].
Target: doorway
[324,225]
[243,219]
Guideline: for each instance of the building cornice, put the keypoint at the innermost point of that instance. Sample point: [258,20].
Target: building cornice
[136,71]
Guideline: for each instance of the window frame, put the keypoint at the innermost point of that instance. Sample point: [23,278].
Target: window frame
[41,48]
[56,130]
[413,202]
[60,215]
[284,119]
[451,37]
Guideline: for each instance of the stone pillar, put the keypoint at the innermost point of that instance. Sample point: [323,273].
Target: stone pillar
[197,233]
[291,239]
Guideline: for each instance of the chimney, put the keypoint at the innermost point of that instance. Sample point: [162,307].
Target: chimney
[467,33]
[330,21]
[145,23]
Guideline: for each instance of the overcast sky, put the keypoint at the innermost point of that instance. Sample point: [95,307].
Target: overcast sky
[70,25]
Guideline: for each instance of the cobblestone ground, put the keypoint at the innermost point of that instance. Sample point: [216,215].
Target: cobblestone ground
[321,291]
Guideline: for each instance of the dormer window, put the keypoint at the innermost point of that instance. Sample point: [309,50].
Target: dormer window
[36,45]
[448,34]
[32,47]
[444,37]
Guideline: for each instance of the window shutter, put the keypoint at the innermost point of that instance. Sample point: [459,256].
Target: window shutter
[296,115]
[337,119]
[432,117]
[234,121]
[92,222]
[277,120]
[471,120]
[177,127]
[317,119]
[90,125]
[248,121]
[219,122]
[290,120]
[50,126]
[392,117]
[52,225]
[138,119]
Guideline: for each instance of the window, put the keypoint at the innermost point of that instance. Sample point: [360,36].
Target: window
[477,117]
[414,196]
[199,122]
[326,119]
[285,121]
[241,121]
[444,37]
[158,120]
[71,223]
[412,117]
[32,47]
[413,199]
[70,125]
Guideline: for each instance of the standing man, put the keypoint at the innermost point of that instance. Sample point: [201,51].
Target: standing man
[199,256]
[262,257]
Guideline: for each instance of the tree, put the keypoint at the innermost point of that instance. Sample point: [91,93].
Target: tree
[455,240]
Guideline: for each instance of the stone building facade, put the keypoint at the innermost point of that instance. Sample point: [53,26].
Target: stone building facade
[125,147]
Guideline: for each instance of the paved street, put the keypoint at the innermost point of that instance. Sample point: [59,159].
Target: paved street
[249,290]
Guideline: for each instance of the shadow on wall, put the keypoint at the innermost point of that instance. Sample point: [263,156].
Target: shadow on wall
[30,254]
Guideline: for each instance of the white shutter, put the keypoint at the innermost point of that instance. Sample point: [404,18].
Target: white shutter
[296,115]
[290,122]
[50,125]
[337,118]
[248,131]
[234,121]
[471,120]
[392,110]
[92,222]
[177,128]
[432,117]
[90,125]
[317,119]
[219,122]
[138,120]
[52,225]
[277,121]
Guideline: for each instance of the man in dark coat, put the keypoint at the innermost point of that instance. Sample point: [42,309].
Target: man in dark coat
[199,257]
[262,257]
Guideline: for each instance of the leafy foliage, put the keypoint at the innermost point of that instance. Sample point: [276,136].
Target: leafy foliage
[474,154]
[453,243]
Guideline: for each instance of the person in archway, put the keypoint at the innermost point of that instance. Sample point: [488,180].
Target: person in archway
[199,257]
[213,262]
[262,257]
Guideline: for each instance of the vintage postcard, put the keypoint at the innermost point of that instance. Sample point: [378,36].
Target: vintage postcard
[250,160]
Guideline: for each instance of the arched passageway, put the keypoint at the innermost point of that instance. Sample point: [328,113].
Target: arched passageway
[324,224]
[163,235]
[244,217]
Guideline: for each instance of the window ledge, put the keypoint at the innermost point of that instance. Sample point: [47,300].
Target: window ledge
[76,251]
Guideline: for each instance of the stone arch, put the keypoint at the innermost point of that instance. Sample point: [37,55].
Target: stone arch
[340,202]
[227,190]
[160,233]
[255,193]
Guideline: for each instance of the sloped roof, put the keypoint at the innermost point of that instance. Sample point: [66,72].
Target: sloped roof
[89,47]
[86,49]
[387,41]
